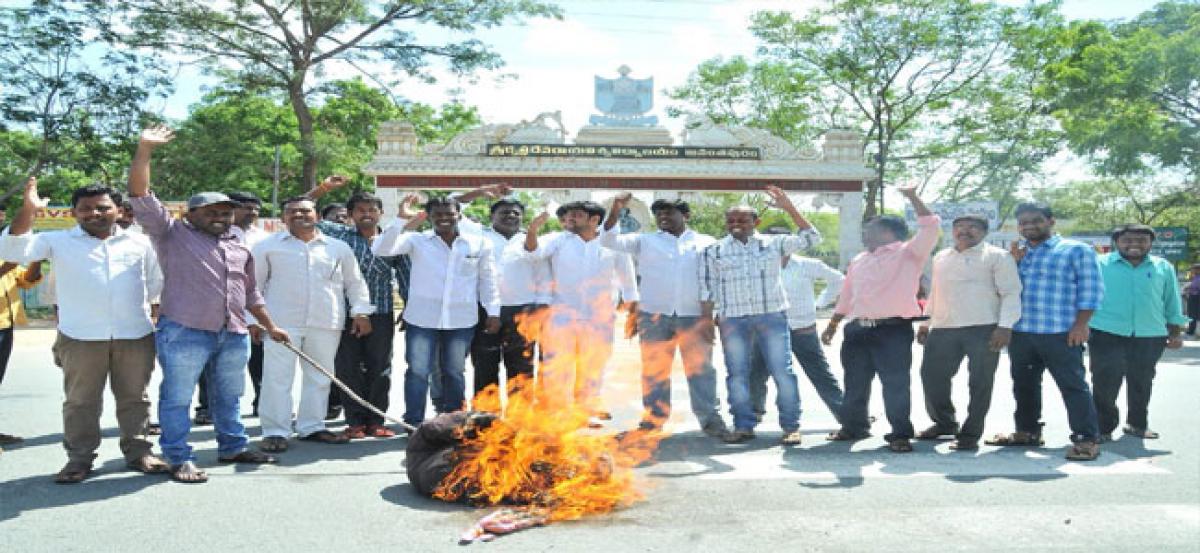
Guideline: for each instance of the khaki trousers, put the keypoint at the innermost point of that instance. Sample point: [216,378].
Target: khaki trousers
[87,366]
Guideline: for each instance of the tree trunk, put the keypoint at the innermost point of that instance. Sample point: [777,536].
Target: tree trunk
[308,146]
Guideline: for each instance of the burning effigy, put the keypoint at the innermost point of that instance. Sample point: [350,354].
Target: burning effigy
[539,461]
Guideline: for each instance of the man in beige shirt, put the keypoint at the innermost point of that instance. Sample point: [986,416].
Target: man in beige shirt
[975,301]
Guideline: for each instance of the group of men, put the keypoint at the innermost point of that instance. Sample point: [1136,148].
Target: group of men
[546,306]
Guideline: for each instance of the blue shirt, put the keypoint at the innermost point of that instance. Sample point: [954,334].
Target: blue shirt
[1138,301]
[377,271]
[1060,277]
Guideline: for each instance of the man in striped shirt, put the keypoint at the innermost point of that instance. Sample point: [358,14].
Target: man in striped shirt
[740,284]
[1061,290]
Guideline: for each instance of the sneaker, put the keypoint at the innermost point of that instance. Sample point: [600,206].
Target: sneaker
[790,438]
[738,436]
[380,431]
[356,432]
[202,419]
[715,428]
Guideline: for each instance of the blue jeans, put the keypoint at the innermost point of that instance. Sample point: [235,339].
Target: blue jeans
[426,348]
[1031,354]
[769,335]
[183,353]
[660,335]
[885,351]
[806,346]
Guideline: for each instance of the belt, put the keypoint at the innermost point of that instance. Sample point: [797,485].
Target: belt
[872,323]
[810,329]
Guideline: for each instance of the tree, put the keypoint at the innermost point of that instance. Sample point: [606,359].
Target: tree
[1128,94]
[283,45]
[69,92]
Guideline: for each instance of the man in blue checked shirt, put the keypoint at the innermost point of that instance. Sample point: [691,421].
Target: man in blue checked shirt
[1062,288]
[1140,316]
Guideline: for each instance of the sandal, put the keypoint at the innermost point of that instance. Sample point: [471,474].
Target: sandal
[149,464]
[252,457]
[73,473]
[965,444]
[380,431]
[1143,433]
[1084,451]
[188,473]
[274,444]
[935,433]
[356,432]
[1017,438]
[900,446]
[326,437]
[840,435]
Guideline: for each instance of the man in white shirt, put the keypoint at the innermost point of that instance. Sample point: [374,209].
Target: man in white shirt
[799,273]
[306,279]
[99,266]
[578,337]
[452,275]
[522,282]
[669,318]
[974,303]
[740,283]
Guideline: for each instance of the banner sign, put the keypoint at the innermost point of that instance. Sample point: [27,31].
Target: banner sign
[628,152]
[58,217]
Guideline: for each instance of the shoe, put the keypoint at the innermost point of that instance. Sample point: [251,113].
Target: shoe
[380,431]
[715,428]
[791,438]
[333,413]
[356,432]
[738,436]
[202,419]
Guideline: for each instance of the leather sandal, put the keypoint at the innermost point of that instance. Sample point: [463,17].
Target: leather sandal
[188,473]
[73,473]
[149,464]
[1018,438]
[274,444]
[250,457]
[326,437]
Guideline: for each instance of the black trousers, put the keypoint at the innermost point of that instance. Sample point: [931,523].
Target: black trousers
[6,345]
[254,367]
[1193,311]
[508,345]
[1116,359]
[885,351]
[364,364]
[944,352]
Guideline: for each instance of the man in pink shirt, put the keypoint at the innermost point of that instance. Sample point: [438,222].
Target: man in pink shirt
[879,296]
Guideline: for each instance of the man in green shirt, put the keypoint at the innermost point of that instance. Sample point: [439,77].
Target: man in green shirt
[1141,314]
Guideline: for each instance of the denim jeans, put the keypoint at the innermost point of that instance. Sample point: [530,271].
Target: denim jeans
[1031,354]
[426,348]
[806,346]
[768,334]
[660,336]
[885,351]
[183,352]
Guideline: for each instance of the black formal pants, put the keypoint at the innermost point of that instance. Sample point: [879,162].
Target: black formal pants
[1119,359]
[364,364]
[508,345]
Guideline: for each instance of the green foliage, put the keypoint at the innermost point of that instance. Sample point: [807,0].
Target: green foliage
[1128,94]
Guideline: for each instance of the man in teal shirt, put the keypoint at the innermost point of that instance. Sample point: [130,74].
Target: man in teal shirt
[1141,314]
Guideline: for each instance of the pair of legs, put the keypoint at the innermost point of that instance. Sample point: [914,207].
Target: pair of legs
[886,351]
[427,349]
[279,373]
[126,365]
[1033,354]
[1117,360]
[806,347]
[509,345]
[364,364]
[768,336]
[944,352]
[577,351]
[661,336]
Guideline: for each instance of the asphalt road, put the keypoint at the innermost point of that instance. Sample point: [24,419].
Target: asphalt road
[699,494]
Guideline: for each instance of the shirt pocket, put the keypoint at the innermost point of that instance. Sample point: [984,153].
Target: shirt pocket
[468,266]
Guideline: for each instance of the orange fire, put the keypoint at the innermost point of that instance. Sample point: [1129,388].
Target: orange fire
[540,453]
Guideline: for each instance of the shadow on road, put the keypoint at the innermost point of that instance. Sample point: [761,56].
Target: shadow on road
[33,493]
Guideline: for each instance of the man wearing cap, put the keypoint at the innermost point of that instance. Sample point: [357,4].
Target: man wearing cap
[208,287]
[975,301]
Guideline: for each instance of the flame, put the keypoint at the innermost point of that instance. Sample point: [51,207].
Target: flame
[540,452]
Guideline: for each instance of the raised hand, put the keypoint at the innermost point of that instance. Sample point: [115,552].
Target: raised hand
[537,222]
[495,191]
[908,190]
[416,220]
[32,199]
[156,136]
[408,207]
[780,199]
[334,181]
